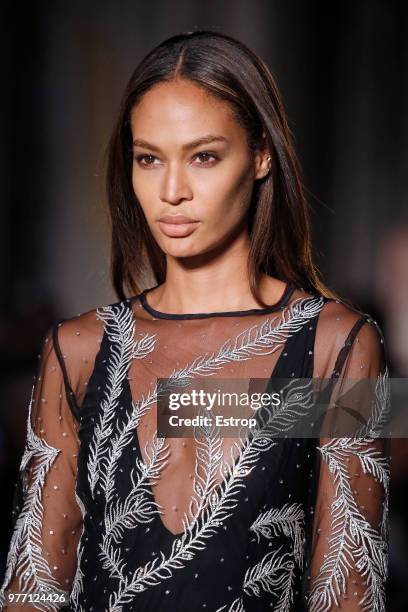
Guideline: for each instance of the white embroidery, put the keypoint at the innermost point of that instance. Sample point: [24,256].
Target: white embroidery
[123,349]
[26,555]
[274,574]
[214,504]
[78,582]
[296,401]
[236,606]
[209,455]
[354,544]
[193,540]
[288,520]
[138,507]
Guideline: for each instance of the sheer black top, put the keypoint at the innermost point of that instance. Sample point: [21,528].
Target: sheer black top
[119,517]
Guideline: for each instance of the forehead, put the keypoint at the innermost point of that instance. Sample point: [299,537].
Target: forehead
[179,107]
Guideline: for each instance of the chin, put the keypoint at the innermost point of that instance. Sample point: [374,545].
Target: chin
[182,251]
[184,248]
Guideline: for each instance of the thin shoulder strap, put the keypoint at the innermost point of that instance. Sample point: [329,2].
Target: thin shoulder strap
[342,356]
[68,389]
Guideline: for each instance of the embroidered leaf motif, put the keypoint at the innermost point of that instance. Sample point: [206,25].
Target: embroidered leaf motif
[353,542]
[120,327]
[236,606]
[288,520]
[211,503]
[272,574]
[26,555]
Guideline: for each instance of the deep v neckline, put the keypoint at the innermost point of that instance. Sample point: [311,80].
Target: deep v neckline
[217,488]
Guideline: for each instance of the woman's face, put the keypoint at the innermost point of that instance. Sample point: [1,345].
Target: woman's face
[191,158]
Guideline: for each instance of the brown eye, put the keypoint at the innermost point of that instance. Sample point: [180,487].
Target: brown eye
[139,159]
[204,155]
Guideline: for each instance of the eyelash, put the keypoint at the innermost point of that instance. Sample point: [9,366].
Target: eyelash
[138,158]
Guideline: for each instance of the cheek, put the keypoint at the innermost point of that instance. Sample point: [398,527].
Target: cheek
[225,201]
[139,186]
[144,192]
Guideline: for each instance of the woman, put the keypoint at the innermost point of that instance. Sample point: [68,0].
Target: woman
[205,196]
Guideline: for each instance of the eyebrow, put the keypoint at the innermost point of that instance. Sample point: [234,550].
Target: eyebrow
[209,138]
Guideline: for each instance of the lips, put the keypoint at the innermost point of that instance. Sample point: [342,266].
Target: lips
[176,226]
[177,219]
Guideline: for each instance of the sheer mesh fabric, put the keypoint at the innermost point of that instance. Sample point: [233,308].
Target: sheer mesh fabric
[46,514]
[350,531]
[315,549]
[178,349]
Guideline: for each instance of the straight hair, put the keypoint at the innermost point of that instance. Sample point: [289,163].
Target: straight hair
[279,226]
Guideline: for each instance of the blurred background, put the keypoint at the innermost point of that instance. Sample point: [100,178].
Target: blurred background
[342,69]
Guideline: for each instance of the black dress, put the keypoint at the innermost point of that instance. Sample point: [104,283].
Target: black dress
[118,516]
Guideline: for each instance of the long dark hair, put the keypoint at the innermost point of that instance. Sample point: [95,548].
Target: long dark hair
[279,227]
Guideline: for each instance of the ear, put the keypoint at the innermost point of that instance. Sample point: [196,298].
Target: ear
[262,159]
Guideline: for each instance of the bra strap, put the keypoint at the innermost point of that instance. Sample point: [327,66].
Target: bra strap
[68,389]
[341,357]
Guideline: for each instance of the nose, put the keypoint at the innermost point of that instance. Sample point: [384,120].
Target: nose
[175,186]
